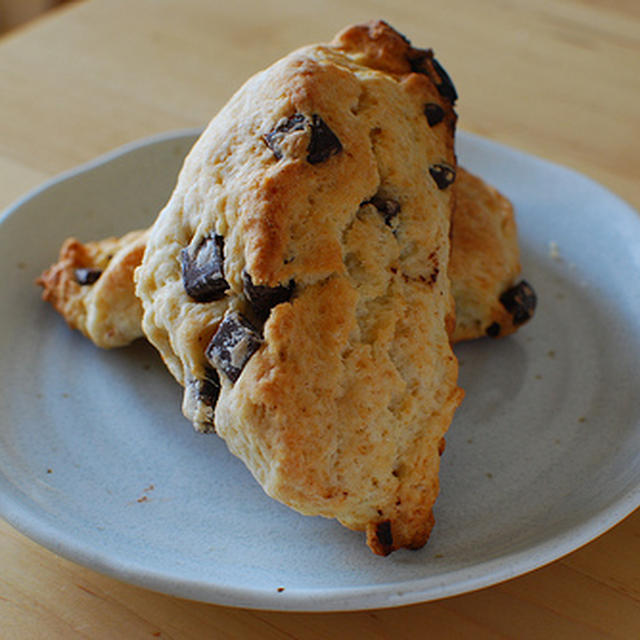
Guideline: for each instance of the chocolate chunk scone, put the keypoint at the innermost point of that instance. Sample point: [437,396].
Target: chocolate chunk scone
[91,286]
[296,281]
[485,263]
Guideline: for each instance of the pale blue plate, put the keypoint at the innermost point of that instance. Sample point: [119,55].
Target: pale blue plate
[98,464]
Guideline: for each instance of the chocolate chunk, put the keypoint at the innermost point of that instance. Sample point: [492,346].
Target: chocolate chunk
[434,113]
[233,344]
[203,391]
[422,61]
[203,270]
[87,276]
[443,174]
[208,388]
[296,122]
[263,298]
[387,207]
[493,330]
[445,87]
[384,535]
[520,301]
[324,143]
[419,60]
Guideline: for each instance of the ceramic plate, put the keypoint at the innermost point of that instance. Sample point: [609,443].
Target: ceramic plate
[98,464]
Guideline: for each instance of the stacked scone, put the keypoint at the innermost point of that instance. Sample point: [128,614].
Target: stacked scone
[300,281]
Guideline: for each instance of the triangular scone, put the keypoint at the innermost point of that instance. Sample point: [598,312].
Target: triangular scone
[296,282]
[485,263]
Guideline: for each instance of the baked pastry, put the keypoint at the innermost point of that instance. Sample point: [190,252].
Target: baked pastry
[484,269]
[295,283]
[485,263]
[91,285]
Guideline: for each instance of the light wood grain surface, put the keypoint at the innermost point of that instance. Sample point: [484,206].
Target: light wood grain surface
[559,79]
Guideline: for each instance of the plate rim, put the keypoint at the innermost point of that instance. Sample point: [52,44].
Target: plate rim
[317,600]
[32,521]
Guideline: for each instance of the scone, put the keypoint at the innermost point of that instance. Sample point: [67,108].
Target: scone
[296,281]
[485,263]
[484,269]
[91,285]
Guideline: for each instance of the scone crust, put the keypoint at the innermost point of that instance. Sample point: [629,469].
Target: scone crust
[485,259]
[342,410]
[107,311]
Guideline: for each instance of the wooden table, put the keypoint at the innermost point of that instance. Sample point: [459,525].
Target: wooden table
[557,78]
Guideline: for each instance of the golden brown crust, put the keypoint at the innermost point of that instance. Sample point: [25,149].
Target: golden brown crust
[377,46]
[104,308]
[60,286]
[485,259]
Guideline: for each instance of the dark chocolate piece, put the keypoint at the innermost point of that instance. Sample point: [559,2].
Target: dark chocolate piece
[324,143]
[208,388]
[493,330]
[86,276]
[203,270]
[445,87]
[520,301]
[263,298]
[296,122]
[443,174]
[434,113]
[419,60]
[384,535]
[387,207]
[233,344]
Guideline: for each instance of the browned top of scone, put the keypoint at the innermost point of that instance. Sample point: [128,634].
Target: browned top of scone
[322,86]
[379,46]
